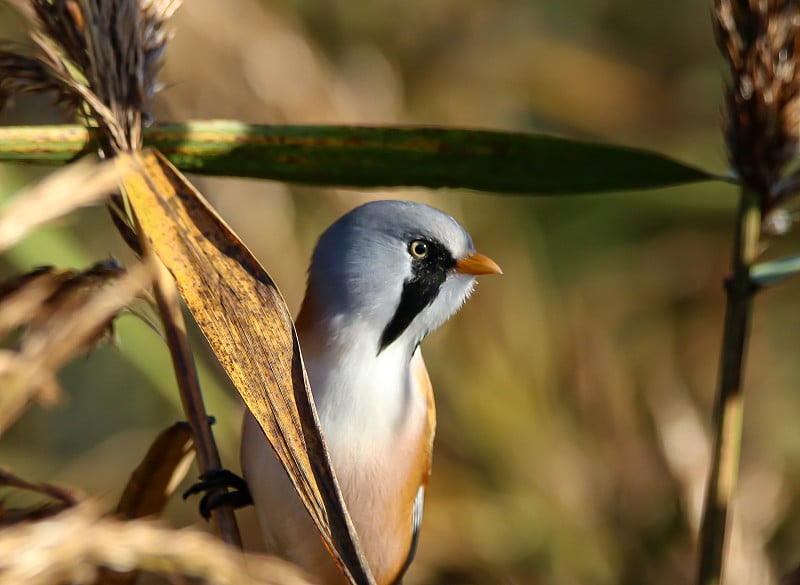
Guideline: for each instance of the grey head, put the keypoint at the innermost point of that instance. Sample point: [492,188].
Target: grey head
[390,269]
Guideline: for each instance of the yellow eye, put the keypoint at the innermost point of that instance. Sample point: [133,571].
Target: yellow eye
[418,249]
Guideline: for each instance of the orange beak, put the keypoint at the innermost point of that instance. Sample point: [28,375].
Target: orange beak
[477,264]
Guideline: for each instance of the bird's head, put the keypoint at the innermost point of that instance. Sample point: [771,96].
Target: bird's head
[394,271]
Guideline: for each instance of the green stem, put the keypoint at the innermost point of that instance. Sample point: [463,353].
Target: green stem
[728,408]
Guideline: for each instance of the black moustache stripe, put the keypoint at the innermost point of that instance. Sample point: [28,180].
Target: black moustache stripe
[417,294]
[428,275]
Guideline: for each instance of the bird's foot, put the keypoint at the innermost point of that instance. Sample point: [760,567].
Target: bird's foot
[214,486]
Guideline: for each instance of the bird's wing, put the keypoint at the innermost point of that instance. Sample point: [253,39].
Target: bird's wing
[423,382]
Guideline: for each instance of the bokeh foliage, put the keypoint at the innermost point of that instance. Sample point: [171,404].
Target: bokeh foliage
[574,393]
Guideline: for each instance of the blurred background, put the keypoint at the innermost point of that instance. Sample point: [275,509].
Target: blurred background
[574,393]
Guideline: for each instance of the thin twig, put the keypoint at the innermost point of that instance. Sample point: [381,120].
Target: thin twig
[189,384]
[191,396]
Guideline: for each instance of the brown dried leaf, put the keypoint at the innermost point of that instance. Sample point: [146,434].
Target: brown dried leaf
[151,485]
[243,316]
[71,295]
[155,479]
[44,295]
[25,374]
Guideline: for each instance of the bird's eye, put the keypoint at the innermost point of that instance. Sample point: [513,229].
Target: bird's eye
[419,249]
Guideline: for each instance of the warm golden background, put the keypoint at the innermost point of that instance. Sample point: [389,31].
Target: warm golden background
[574,392]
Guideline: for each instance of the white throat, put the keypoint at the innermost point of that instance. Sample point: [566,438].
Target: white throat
[362,396]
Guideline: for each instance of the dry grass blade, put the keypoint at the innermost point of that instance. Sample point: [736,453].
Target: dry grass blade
[152,483]
[75,186]
[69,547]
[59,499]
[246,322]
[29,372]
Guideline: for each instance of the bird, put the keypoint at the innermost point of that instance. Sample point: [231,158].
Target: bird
[381,278]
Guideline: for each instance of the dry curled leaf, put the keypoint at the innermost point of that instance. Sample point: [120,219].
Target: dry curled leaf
[28,373]
[151,484]
[45,295]
[243,316]
[155,479]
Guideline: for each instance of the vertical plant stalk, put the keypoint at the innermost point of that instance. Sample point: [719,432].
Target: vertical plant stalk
[189,385]
[760,40]
[101,58]
[208,458]
[728,407]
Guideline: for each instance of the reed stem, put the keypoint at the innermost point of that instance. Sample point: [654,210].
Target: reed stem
[169,308]
[728,407]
